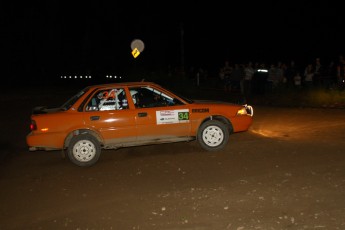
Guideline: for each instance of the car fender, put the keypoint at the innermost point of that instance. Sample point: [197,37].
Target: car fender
[76,132]
[220,118]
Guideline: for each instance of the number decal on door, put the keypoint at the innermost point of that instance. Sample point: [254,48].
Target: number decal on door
[183,116]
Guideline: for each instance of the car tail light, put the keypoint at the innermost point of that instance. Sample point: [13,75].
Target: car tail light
[33,125]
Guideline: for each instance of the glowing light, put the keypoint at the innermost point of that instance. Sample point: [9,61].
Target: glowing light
[242,111]
[263,70]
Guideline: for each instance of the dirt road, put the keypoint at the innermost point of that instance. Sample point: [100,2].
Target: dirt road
[286,172]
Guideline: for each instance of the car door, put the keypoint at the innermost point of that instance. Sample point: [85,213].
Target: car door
[108,113]
[163,122]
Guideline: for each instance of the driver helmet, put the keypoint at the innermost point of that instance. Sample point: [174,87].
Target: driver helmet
[134,96]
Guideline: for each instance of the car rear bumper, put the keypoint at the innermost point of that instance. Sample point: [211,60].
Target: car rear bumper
[44,141]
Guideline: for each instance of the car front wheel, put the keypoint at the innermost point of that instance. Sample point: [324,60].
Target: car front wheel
[213,135]
[84,150]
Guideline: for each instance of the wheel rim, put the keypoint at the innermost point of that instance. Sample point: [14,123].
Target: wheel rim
[213,136]
[84,151]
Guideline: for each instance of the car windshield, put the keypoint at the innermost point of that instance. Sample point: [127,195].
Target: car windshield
[68,104]
[190,101]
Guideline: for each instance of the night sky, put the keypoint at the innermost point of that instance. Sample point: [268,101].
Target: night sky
[46,40]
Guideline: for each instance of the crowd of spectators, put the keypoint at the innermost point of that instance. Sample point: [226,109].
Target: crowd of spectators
[259,78]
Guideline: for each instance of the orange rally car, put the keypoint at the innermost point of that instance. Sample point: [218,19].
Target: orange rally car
[111,116]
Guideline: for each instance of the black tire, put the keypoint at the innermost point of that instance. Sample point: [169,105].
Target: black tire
[84,150]
[213,135]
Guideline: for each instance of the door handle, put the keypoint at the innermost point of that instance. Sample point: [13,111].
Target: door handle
[142,114]
[94,118]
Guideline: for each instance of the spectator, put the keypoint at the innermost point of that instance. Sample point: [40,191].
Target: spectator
[290,73]
[272,80]
[318,73]
[248,76]
[297,80]
[341,72]
[236,77]
[224,75]
[330,76]
[308,76]
[280,72]
[259,78]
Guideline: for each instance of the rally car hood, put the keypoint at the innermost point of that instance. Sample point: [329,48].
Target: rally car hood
[248,108]
[213,102]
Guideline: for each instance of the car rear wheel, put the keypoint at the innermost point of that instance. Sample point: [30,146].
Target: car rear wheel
[84,150]
[213,135]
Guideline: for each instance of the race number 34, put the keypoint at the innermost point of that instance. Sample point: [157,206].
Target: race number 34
[183,115]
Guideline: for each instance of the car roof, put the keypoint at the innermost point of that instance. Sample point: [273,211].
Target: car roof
[135,83]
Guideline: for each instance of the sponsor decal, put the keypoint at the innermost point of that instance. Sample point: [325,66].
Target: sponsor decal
[172,116]
[203,110]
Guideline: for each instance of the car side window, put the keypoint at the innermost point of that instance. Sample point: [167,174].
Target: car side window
[108,99]
[147,97]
